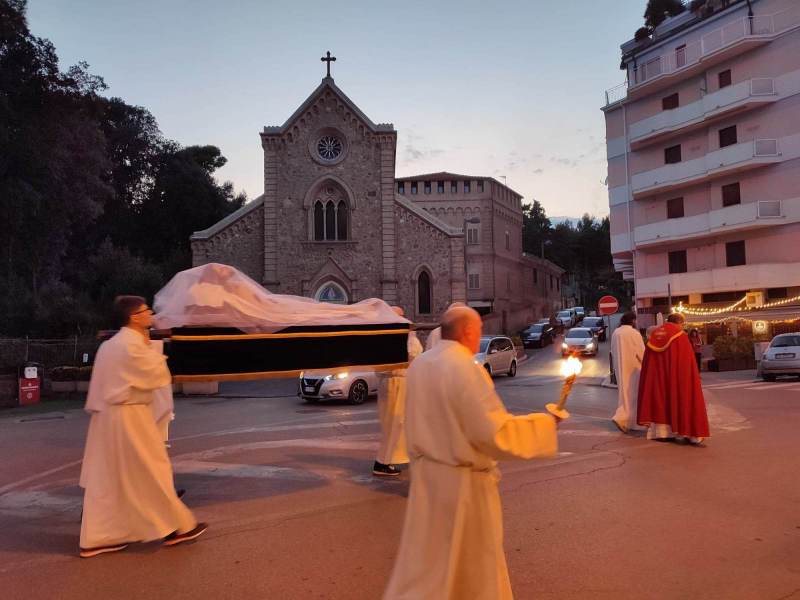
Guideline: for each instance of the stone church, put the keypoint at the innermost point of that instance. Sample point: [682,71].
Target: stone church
[335,224]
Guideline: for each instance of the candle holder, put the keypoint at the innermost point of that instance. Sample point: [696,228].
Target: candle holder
[570,369]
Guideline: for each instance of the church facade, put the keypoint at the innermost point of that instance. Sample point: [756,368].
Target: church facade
[335,224]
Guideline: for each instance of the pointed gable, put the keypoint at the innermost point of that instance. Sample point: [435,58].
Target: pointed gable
[328,84]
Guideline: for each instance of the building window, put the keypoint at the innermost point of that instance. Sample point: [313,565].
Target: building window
[453,187]
[680,56]
[535,277]
[508,241]
[472,236]
[331,292]
[401,187]
[474,281]
[466,187]
[675,208]
[440,187]
[413,187]
[724,78]
[677,261]
[672,154]
[424,293]
[731,194]
[551,282]
[670,102]
[777,293]
[722,297]
[558,284]
[480,186]
[734,254]
[427,187]
[727,136]
[330,220]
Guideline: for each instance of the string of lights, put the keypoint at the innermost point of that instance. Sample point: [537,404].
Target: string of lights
[735,307]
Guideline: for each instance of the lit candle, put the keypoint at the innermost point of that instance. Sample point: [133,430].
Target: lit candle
[569,369]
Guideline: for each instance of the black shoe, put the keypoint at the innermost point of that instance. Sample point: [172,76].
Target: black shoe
[180,492]
[382,470]
[178,538]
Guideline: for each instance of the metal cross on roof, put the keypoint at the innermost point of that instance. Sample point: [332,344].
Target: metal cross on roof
[328,59]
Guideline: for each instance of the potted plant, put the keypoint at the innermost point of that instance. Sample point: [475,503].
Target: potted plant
[84,375]
[733,353]
[63,379]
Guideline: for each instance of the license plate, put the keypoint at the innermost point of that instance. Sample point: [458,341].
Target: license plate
[785,355]
[308,388]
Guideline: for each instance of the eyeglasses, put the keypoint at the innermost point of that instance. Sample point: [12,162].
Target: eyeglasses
[144,310]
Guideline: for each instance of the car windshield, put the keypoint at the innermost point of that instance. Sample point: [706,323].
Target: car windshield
[535,329]
[592,321]
[782,341]
[484,344]
[578,333]
[564,313]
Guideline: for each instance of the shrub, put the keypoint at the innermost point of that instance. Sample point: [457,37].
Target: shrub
[728,346]
[64,373]
[641,34]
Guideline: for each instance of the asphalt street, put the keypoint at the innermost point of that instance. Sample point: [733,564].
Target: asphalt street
[296,514]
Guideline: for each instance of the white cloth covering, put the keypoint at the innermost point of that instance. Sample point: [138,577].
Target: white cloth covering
[129,491]
[434,337]
[457,427]
[391,409]
[216,295]
[627,348]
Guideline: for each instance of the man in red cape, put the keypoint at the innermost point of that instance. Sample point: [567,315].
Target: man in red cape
[671,402]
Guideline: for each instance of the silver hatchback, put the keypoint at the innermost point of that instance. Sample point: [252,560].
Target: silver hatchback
[781,358]
[497,355]
[353,386]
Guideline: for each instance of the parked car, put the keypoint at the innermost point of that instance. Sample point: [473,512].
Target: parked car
[579,340]
[580,313]
[597,325]
[497,355]
[538,335]
[353,386]
[781,358]
[566,318]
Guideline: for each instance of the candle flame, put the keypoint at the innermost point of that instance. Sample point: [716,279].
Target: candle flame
[571,366]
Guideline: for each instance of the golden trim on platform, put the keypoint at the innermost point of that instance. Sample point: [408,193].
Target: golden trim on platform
[275,336]
[282,374]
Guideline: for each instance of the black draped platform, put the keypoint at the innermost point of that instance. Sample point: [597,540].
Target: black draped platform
[197,354]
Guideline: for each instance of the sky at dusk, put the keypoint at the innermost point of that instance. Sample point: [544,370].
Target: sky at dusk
[512,89]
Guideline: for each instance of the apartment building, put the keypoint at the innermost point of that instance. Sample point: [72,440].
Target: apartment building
[501,280]
[703,143]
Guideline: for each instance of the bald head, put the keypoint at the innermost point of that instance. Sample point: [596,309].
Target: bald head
[676,318]
[462,324]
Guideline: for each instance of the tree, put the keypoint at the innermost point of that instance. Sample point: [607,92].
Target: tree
[658,10]
[536,228]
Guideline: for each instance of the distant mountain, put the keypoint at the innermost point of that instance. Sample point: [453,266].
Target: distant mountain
[571,220]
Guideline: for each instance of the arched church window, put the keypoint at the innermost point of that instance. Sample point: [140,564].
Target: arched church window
[341,221]
[330,221]
[424,293]
[319,221]
[331,292]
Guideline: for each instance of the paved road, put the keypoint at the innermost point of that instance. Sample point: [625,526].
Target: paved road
[296,514]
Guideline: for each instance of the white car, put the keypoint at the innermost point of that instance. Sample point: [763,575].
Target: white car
[566,318]
[354,386]
[781,358]
[579,341]
[497,355]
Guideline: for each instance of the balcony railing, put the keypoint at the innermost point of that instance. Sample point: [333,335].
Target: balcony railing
[690,54]
[717,162]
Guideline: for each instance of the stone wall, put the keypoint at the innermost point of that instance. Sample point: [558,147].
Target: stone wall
[239,243]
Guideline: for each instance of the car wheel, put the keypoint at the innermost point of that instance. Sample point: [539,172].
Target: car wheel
[768,377]
[512,370]
[359,392]
[488,368]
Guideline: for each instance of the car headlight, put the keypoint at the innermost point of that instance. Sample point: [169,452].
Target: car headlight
[590,345]
[342,375]
[327,378]
[301,374]
[564,345]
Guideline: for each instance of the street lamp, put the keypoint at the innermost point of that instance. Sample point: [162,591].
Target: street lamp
[473,220]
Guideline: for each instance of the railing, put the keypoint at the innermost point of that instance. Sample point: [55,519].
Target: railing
[690,54]
[617,93]
[769,209]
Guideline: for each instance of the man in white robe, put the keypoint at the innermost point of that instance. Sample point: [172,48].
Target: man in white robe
[126,473]
[457,428]
[391,413]
[627,350]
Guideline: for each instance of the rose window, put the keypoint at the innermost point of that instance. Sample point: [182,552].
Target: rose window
[329,147]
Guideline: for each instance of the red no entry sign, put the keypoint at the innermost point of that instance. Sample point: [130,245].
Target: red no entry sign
[607,305]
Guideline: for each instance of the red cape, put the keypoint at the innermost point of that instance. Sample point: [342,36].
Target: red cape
[669,386]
